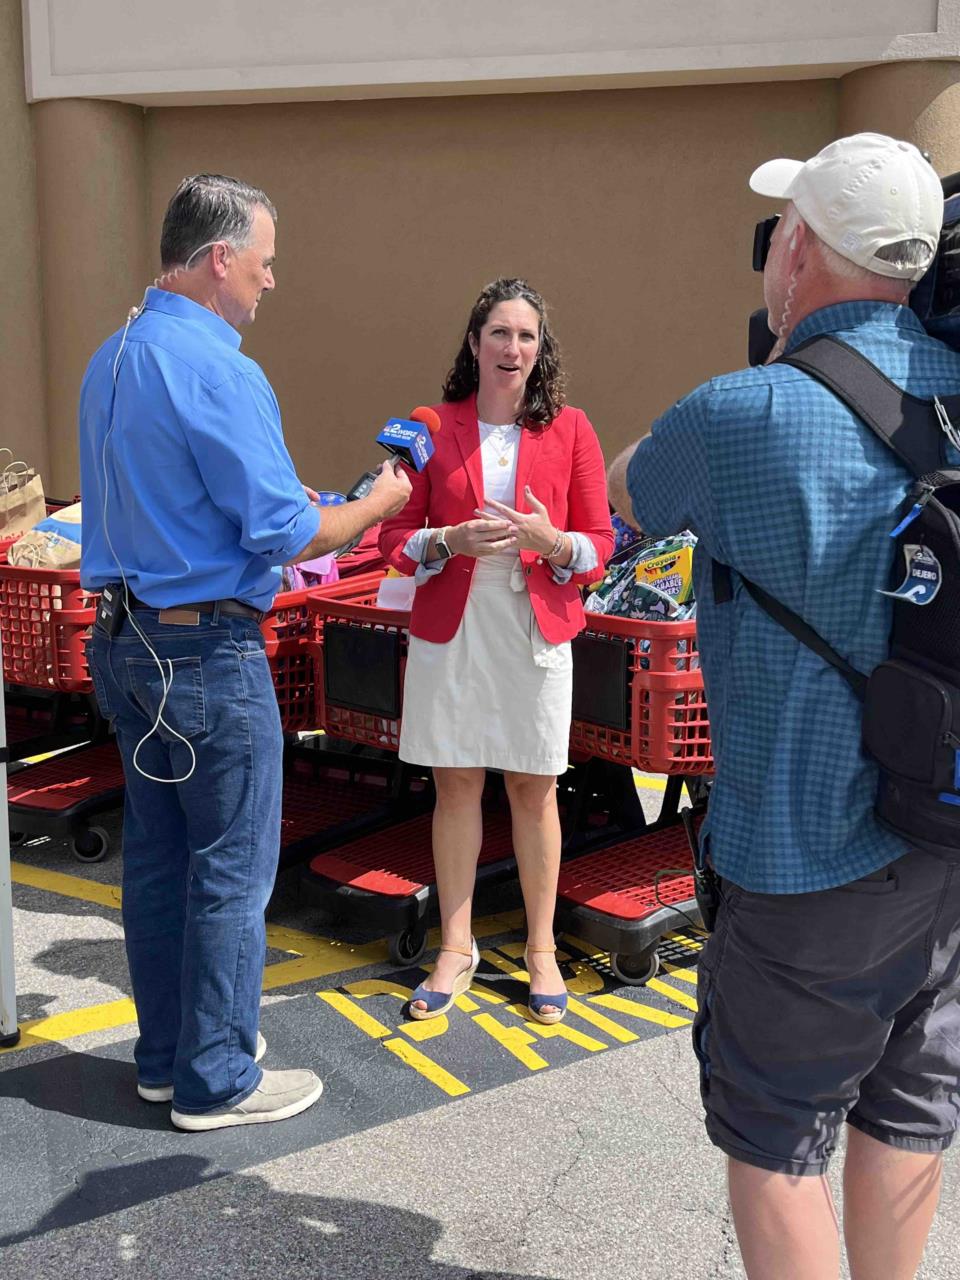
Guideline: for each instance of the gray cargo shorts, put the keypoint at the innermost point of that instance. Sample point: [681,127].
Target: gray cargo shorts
[815,1008]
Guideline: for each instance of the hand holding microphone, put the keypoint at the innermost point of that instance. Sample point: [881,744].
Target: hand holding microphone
[377,494]
[391,489]
[410,440]
[407,440]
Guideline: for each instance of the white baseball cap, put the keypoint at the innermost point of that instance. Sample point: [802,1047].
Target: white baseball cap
[860,194]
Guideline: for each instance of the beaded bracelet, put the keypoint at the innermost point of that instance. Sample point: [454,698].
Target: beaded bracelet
[557,546]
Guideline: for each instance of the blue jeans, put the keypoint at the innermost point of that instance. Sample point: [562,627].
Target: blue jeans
[199,856]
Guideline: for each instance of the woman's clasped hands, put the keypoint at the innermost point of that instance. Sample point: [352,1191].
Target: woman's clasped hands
[534,530]
[486,536]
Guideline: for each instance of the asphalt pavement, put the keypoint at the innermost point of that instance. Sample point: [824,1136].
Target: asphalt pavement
[484,1147]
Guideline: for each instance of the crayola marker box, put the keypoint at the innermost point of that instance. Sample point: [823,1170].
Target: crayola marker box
[670,571]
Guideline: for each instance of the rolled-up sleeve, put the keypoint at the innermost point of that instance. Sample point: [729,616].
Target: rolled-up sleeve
[588,511]
[583,558]
[237,442]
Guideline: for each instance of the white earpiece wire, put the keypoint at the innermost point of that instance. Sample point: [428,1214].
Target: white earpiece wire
[164,279]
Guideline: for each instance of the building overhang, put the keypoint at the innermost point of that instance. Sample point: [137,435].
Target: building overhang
[245,51]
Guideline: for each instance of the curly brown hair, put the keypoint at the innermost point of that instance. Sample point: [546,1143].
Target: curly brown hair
[544,392]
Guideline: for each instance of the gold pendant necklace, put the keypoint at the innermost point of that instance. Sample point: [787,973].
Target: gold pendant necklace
[500,445]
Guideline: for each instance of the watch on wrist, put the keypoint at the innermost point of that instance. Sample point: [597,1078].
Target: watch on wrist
[441,545]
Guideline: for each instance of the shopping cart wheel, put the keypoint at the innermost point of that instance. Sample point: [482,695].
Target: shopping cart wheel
[17,838]
[408,947]
[634,970]
[91,845]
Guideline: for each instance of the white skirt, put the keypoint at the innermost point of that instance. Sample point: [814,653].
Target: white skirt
[496,696]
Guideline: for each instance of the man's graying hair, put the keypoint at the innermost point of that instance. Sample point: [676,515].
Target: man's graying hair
[209,207]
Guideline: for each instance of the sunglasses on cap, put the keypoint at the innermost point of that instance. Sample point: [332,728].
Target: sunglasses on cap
[761,241]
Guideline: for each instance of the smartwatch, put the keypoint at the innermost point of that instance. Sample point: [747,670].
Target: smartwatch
[441,545]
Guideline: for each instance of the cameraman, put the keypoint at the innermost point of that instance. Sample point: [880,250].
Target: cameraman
[828,991]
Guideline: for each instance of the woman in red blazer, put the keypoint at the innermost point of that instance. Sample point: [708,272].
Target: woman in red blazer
[508,518]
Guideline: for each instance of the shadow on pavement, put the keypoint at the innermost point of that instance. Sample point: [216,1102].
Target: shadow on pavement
[95,1089]
[103,959]
[239,1223]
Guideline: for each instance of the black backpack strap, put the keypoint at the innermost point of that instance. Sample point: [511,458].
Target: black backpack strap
[790,621]
[803,632]
[905,423]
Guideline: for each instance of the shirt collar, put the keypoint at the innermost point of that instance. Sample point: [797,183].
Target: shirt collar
[854,315]
[174,304]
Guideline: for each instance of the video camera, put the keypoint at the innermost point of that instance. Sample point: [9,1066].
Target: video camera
[935,299]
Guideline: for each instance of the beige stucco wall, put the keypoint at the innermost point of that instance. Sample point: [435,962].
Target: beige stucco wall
[919,101]
[91,213]
[628,209]
[22,407]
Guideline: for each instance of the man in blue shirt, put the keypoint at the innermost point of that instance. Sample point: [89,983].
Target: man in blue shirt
[190,505]
[824,996]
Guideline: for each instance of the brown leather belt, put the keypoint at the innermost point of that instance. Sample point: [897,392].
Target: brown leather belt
[188,615]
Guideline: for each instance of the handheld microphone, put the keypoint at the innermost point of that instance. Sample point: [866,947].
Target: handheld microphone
[411,439]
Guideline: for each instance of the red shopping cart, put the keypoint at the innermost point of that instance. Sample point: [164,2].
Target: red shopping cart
[638,703]
[45,618]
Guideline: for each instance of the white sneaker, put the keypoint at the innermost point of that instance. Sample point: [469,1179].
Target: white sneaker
[164,1092]
[279,1095]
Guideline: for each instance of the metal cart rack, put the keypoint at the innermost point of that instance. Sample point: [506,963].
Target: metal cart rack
[332,795]
[385,880]
[58,798]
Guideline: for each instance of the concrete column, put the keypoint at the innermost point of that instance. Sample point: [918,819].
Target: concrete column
[919,101]
[22,391]
[92,202]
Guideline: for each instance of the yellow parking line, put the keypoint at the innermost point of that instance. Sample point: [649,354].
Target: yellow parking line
[682,975]
[672,993]
[78,1022]
[514,1040]
[692,944]
[637,1010]
[315,958]
[343,1004]
[427,1029]
[655,784]
[601,1022]
[318,958]
[429,1069]
[104,895]
[650,784]
[553,1030]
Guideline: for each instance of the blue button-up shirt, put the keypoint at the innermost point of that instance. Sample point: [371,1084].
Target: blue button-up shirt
[780,480]
[202,499]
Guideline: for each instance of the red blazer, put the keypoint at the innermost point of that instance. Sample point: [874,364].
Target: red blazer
[563,465]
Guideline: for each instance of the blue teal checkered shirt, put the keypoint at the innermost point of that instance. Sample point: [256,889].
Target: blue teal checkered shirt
[780,480]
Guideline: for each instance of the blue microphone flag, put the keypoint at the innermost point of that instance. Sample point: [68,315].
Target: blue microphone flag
[408,440]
